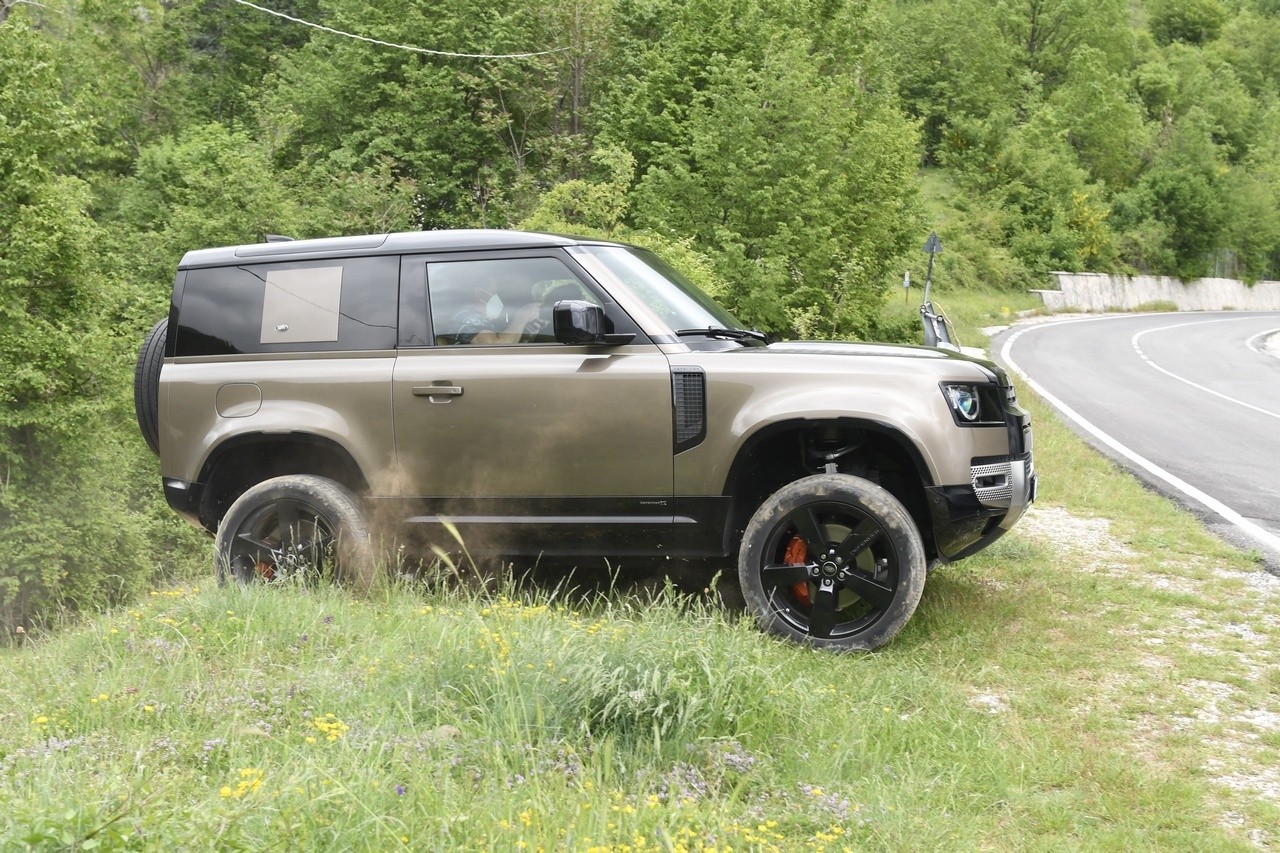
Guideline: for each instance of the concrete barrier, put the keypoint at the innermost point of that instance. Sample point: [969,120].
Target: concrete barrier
[1088,291]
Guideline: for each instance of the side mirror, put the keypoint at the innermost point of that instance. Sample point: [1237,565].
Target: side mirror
[576,321]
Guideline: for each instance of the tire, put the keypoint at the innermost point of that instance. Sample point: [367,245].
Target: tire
[298,527]
[146,384]
[870,577]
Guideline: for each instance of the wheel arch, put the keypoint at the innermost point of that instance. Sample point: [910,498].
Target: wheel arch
[773,456]
[242,461]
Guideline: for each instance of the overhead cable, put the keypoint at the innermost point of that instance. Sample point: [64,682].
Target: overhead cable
[407,47]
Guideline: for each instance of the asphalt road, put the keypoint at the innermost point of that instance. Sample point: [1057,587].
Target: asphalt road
[1189,402]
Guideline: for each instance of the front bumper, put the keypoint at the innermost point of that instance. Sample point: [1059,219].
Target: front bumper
[967,519]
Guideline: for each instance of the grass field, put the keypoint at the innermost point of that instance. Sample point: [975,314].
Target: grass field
[1106,677]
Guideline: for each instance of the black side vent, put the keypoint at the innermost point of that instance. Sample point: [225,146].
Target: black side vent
[689,394]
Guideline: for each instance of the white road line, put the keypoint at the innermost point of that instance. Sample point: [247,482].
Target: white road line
[1142,355]
[1257,342]
[1246,526]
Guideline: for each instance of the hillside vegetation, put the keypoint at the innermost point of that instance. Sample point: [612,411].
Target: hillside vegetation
[790,156]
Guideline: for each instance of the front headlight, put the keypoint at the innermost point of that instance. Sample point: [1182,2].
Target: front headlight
[965,402]
[973,404]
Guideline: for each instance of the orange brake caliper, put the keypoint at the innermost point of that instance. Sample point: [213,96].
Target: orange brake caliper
[797,554]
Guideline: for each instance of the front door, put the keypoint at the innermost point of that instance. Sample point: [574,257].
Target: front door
[524,445]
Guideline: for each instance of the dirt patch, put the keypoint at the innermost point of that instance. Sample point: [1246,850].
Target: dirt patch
[990,703]
[1062,531]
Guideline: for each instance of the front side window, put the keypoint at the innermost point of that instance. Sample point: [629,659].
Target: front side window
[505,301]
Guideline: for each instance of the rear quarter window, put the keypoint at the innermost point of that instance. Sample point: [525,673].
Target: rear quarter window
[311,306]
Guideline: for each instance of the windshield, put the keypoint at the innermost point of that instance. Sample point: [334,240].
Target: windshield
[673,298]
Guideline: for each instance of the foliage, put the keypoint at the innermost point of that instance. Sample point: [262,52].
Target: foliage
[794,179]
[581,205]
[341,105]
[1181,191]
[228,50]
[1046,34]
[1102,119]
[74,525]
[1189,21]
[944,69]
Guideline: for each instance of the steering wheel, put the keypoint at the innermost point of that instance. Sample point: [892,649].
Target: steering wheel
[549,297]
[535,328]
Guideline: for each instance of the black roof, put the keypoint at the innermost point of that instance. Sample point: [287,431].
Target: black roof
[406,242]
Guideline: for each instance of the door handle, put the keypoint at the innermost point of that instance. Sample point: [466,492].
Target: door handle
[437,390]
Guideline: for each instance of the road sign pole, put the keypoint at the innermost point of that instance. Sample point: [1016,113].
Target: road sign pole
[933,246]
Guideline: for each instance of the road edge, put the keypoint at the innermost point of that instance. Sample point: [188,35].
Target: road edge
[1257,535]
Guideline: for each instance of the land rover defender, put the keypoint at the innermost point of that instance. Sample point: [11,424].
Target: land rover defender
[558,399]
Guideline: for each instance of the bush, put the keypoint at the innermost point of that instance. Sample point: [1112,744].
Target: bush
[76,532]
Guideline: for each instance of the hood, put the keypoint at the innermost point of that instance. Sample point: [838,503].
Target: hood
[864,349]
[873,350]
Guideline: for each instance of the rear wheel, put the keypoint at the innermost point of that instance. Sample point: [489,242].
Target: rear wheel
[297,527]
[834,561]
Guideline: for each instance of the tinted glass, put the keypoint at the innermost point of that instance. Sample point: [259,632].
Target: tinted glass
[314,306]
[488,297]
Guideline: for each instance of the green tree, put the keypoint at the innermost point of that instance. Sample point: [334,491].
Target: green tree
[1188,21]
[1053,216]
[772,152]
[1102,119]
[208,187]
[584,205]
[1251,44]
[72,528]
[212,186]
[119,59]
[44,238]
[1180,197]
[1047,33]
[950,60]
[1207,84]
[228,51]
[349,106]
[1252,194]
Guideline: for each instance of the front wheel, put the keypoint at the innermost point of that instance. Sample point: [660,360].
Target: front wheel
[296,527]
[834,561]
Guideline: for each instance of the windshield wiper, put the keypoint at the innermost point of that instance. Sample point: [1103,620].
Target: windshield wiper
[721,332]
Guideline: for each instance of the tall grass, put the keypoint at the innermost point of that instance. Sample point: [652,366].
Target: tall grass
[245,718]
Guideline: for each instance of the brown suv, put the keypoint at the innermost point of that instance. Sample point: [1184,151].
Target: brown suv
[556,399]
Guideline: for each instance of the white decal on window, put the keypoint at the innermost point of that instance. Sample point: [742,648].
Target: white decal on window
[301,306]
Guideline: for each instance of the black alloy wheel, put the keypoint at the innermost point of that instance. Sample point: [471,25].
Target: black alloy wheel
[834,561]
[299,528]
[282,540]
